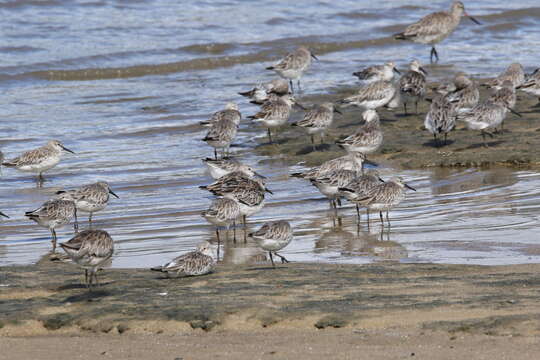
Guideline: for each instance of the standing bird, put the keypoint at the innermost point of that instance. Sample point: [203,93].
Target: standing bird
[90,249]
[367,139]
[317,120]
[359,187]
[532,84]
[89,198]
[275,113]
[464,94]
[221,135]
[513,73]
[227,165]
[194,263]
[435,27]
[385,196]
[329,184]
[373,95]
[293,65]
[272,237]
[352,161]
[222,212]
[39,160]
[53,214]
[413,85]
[506,95]
[230,113]
[375,73]
[441,117]
[261,92]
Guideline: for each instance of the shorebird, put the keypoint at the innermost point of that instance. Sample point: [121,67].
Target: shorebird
[222,212]
[532,84]
[317,120]
[412,85]
[293,65]
[484,116]
[272,237]
[352,161]
[367,139]
[329,184]
[230,113]
[359,187]
[435,27]
[90,249]
[375,73]
[53,214]
[221,135]
[89,198]
[514,73]
[441,117]
[275,113]
[227,165]
[194,263]
[39,160]
[506,95]
[262,92]
[373,95]
[234,180]
[463,93]
[384,197]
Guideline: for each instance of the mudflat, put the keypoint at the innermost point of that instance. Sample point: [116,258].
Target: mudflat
[305,310]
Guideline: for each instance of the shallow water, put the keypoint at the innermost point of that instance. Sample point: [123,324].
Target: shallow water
[125,83]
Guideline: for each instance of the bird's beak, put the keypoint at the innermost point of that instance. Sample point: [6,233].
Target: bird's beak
[423,70]
[4,215]
[268,191]
[397,71]
[259,175]
[336,110]
[472,19]
[313,56]
[381,180]
[514,112]
[113,194]
[66,149]
[300,106]
[410,187]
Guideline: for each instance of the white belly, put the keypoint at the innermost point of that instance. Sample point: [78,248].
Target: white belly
[45,165]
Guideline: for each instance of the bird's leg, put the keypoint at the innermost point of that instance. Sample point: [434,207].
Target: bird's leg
[86,277]
[312,140]
[234,231]
[215,153]
[382,221]
[76,222]
[445,140]
[358,212]
[53,240]
[434,53]
[387,219]
[90,218]
[283,260]
[338,201]
[436,140]
[298,84]
[484,138]
[416,107]
[291,84]
[269,135]
[95,277]
[272,260]
[245,229]
[405,107]
[218,243]
[367,213]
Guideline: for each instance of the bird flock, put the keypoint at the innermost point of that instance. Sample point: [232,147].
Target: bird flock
[240,191]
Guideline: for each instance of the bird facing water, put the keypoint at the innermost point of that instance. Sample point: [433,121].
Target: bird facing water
[293,65]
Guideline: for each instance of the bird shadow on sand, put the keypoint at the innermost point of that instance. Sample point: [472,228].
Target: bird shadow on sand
[438,144]
[81,286]
[269,267]
[93,295]
[481,145]
[309,149]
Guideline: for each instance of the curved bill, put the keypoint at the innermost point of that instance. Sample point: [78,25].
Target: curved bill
[514,112]
[4,215]
[259,175]
[66,149]
[336,110]
[268,191]
[397,71]
[313,56]
[410,187]
[113,194]
[423,70]
[300,106]
[473,19]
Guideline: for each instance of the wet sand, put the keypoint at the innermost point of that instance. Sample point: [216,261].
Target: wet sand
[408,145]
[387,310]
